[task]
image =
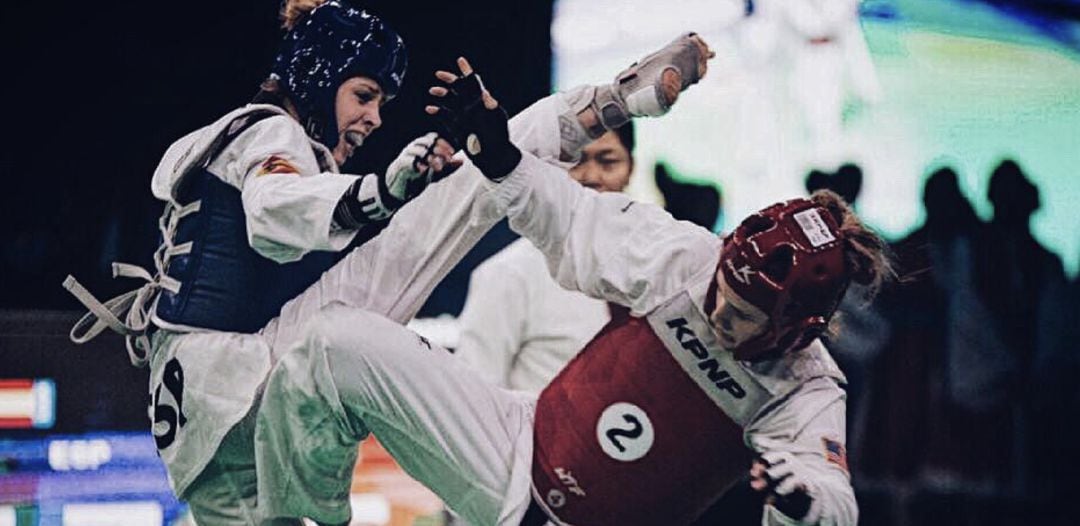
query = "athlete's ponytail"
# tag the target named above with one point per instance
(866, 255)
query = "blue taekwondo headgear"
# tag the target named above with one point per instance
(332, 44)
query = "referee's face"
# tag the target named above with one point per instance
(605, 164)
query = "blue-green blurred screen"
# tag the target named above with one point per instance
(961, 84)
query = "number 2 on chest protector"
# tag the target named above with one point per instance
(624, 431)
(169, 417)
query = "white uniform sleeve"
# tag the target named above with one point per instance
(811, 426)
(394, 273)
(604, 244)
(290, 210)
(493, 321)
(288, 200)
(536, 129)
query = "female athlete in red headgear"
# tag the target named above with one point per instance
(717, 371)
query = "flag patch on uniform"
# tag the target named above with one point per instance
(835, 453)
(276, 165)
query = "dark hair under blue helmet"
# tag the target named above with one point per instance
(332, 44)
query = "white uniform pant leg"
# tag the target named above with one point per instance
(204, 387)
(468, 441)
(225, 492)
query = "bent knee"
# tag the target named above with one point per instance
(337, 327)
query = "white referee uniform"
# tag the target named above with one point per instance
(519, 327)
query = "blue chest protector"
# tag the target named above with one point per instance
(225, 284)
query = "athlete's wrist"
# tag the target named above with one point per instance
(365, 201)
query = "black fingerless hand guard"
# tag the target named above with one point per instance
(796, 505)
(481, 132)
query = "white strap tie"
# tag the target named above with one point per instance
(133, 306)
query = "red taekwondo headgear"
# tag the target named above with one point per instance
(787, 260)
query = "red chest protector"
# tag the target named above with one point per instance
(624, 436)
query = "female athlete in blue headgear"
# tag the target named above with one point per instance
(256, 210)
(261, 235)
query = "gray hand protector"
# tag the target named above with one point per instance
(638, 91)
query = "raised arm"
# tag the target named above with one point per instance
(394, 273)
(290, 213)
(604, 244)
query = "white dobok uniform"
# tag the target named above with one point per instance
(265, 425)
(212, 382)
(649, 424)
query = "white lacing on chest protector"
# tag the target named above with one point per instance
(134, 307)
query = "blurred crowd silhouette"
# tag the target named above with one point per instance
(961, 390)
(960, 374)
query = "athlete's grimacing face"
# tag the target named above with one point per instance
(356, 108)
(734, 319)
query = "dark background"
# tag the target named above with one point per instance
(97, 92)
